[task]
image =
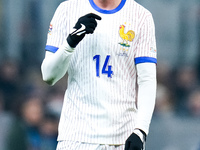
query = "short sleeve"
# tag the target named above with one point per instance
(146, 46)
(57, 29)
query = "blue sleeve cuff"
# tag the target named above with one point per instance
(139, 60)
(50, 48)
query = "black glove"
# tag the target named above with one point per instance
(134, 143)
(85, 25)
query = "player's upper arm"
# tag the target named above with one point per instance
(48, 53)
(146, 46)
(57, 29)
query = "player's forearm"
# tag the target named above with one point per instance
(146, 95)
(55, 65)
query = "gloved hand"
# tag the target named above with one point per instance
(85, 25)
(134, 142)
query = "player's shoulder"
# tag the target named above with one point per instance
(66, 3)
(63, 6)
(142, 10)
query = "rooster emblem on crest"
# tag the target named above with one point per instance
(129, 36)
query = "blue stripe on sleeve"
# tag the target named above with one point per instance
(145, 60)
(51, 48)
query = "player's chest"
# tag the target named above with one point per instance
(116, 35)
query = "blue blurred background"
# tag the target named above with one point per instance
(30, 109)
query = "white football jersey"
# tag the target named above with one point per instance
(99, 104)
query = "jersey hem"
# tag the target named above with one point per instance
(94, 141)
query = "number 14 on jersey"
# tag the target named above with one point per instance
(107, 69)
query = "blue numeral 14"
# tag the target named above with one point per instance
(107, 69)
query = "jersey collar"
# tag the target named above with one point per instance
(107, 11)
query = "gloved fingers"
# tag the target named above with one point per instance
(89, 31)
(91, 15)
(90, 23)
(81, 32)
(88, 19)
(85, 25)
(93, 22)
(90, 27)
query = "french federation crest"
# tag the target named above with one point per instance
(126, 37)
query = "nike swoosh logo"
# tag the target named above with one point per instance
(80, 31)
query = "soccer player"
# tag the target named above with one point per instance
(108, 49)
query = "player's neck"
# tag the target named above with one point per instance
(107, 4)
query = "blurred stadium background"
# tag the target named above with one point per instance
(30, 109)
